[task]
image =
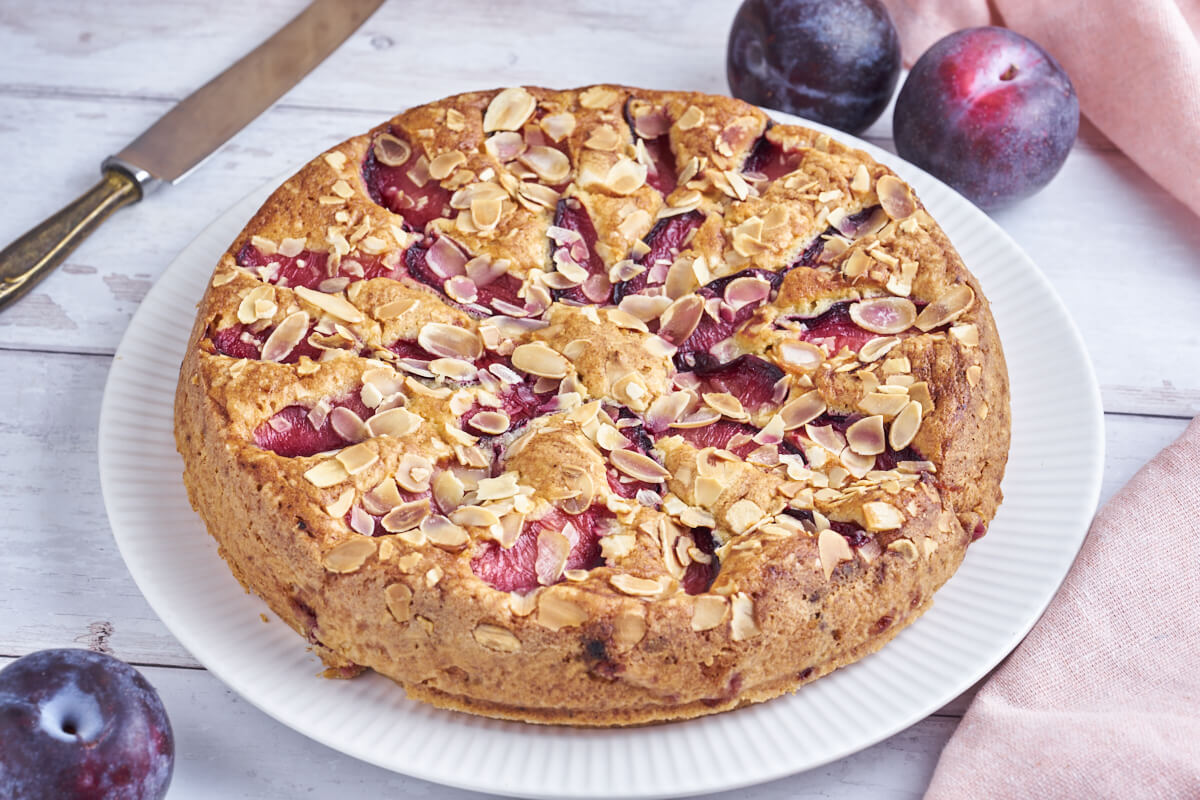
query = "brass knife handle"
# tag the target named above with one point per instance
(35, 255)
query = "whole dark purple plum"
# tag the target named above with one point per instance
(833, 61)
(78, 725)
(989, 112)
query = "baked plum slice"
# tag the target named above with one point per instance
(740, 295)
(518, 404)
(574, 238)
(309, 268)
(750, 379)
(639, 442)
(699, 577)
(769, 160)
(517, 568)
(650, 126)
(238, 341)
(290, 432)
(477, 287)
(398, 179)
(666, 239)
(835, 329)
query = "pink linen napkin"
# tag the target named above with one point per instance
(1102, 699)
(1135, 65)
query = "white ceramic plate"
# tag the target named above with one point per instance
(1007, 580)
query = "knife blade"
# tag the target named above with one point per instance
(184, 137)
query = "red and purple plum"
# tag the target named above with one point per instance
(989, 112)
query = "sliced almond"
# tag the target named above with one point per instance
(556, 612)
(598, 97)
(391, 151)
(249, 307)
(629, 628)
(444, 533)
(327, 473)
(884, 315)
(332, 304)
(744, 515)
(742, 625)
(866, 437)
(450, 341)
(681, 318)
(691, 117)
(635, 586)
(490, 422)
(906, 549)
(393, 422)
(881, 516)
(895, 197)
(954, 302)
(538, 359)
(406, 516)
(803, 356)
(349, 555)
(509, 110)
(285, 337)
(398, 598)
(638, 466)
(802, 410)
(549, 163)
(709, 612)
(338, 508)
(877, 348)
(886, 405)
(445, 163)
(348, 425)
(357, 458)
(905, 426)
(493, 637)
(626, 176)
(833, 549)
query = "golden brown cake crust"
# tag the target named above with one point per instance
(415, 291)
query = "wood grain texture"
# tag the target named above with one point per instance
(79, 80)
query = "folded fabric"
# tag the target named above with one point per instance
(1102, 699)
(1135, 65)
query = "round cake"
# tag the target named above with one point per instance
(597, 407)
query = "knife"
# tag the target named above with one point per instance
(184, 137)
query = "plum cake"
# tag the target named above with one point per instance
(595, 407)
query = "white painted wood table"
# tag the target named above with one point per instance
(79, 79)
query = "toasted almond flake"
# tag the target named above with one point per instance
(744, 515)
(626, 176)
(698, 419)
(504, 146)
(691, 117)
(493, 637)
(804, 356)
(339, 508)
(881, 516)
(610, 438)
(406, 516)
(285, 337)
(398, 598)
(633, 585)
(393, 422)
(604, 138)
(290, 247)
(833, 550)
(742, 625)
(967, 333)
(556, 612)
(802, 410)
(709, 611)
(681, 318)
(391, 151)
(491, 422)
(333, 304)
(327, 473)
(877, 348)
(248, 309)
(629, 628)
(598, 97)
(443, 533)
(383, 498)
(509, 110)
(950, 305)
(905, 426)
(708, 490)
(974, 373)
(445, 163)
(349, 555)
(862, 180)
(549, 163)
(627, 321)
(865, 436)
(342, 189)
(725, 404)
(772, 432)
(348, 425)
(357, 458)
(856, 464)
(536, 358)
(558, 125)
(886, 404)
(884, 315)
(895, 197)
(638, 466)
(906, 549)
(474, 517)
(450, 341)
